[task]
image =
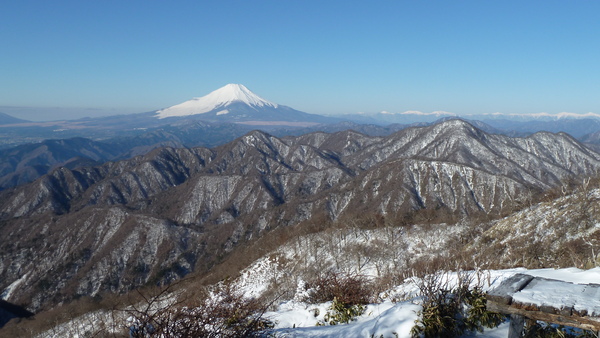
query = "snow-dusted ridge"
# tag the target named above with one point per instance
(221, 97)
(419, 116)
(437, 113)
(558, 116)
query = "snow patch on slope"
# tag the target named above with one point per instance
(9, 290)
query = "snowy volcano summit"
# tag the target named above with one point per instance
(217, 100)
(236, 103)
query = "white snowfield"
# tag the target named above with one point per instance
(379, 319)
(395, 319)
(553, 292)
(397, 313)
(221, 97)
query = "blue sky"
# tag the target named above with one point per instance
(88, 58)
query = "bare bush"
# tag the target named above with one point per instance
(225, 313)
(347, 289)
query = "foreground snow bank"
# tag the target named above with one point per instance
(390, 319)
(572, 275)
(387, 319)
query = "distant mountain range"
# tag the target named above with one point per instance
(162, 215)
(234, 103)
(417, 116)
(25, 163)
(32, 149)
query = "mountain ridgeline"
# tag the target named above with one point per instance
(159, 216)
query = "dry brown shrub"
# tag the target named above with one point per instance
(347, 289)
(224, 313)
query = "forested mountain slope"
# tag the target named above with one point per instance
(159, 216)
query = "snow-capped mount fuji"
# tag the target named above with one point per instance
(236, 103)
(217, 100)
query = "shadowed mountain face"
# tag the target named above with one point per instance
(25, 163)
(159, 216)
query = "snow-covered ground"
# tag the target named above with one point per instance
(395, 319)
(394, 316)
(298, 320)
(397, 313)
(352, 251)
